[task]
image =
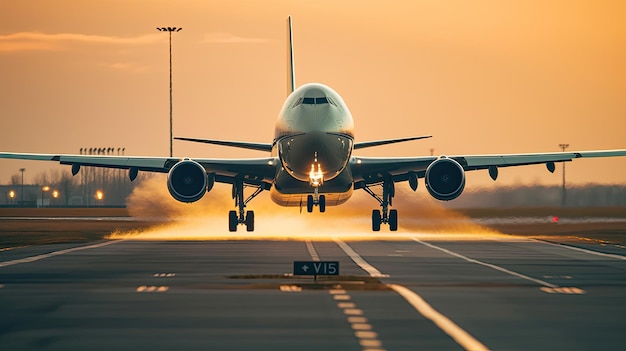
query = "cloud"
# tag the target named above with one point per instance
(227, 38)
(37, 41)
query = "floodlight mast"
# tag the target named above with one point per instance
(170, 30)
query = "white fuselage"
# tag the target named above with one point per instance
(314, 139)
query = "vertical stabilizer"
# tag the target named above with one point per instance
(291, 70)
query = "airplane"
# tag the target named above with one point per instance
(312, 162)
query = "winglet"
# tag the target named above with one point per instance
(291, 70)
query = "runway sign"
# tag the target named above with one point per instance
(315, 268)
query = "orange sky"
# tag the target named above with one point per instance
(481, 76)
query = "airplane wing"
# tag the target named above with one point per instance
(362, 145)
(373, 169)
(253, 170)
(239, 144)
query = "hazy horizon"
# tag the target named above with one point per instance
(481, 77)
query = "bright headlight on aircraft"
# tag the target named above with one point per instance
(316, 177)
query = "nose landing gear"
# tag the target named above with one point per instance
(316, 200)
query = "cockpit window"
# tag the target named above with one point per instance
(314, 101)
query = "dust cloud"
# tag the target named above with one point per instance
(207, 219)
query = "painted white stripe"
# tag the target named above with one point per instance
(55, 253)
(615, 256)
(493, 266)
(312, 251)
(459, 335)
(371, 270)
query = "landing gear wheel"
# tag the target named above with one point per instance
(232, 221)
(250, 221)
(322, 203)
(393, 220)
(376, 220)
(309, 203)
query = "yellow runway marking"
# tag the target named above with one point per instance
(342, 304)
(152, 288)
(290, 288)
(564, 290)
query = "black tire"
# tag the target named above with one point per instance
(322, 203)
(393, 220)
(232, 221)
(309, 203)
(250, 221)
(376, 220)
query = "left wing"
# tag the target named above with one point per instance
(375, 169)
(253, 170)
(240, 144)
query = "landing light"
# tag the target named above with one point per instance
(316, 178)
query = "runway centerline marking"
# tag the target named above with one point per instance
(367, 338)
(459, 335)
(371, 270)
(489, 265)
(56, 253)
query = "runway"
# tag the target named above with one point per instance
(417, 292)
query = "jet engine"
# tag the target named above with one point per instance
(445, 179)
(187, 181)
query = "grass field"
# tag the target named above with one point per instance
(65, 228)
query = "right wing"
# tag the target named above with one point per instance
(371, 170)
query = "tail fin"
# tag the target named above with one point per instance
(291, 70)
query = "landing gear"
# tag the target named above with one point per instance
(385, 216)
(376, 220)
(316, 200)
(242, 217)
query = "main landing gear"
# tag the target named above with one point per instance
(386, 216)
(316, 200)
(242, 217)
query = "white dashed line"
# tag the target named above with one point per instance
(367, 338)
(55, 253)
(312, 251)
(164, 275)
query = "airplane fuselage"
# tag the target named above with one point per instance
(314, 139)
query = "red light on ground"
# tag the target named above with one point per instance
(555, 219)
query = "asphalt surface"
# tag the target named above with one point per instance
(496, 293)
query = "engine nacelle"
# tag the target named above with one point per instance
(445, 179)
(188, 181)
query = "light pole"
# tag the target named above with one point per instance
(55, 196)
(44, 189)
(170, 30)
(563, 147)
(22, 191)
(99, 196)
(12, 196)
